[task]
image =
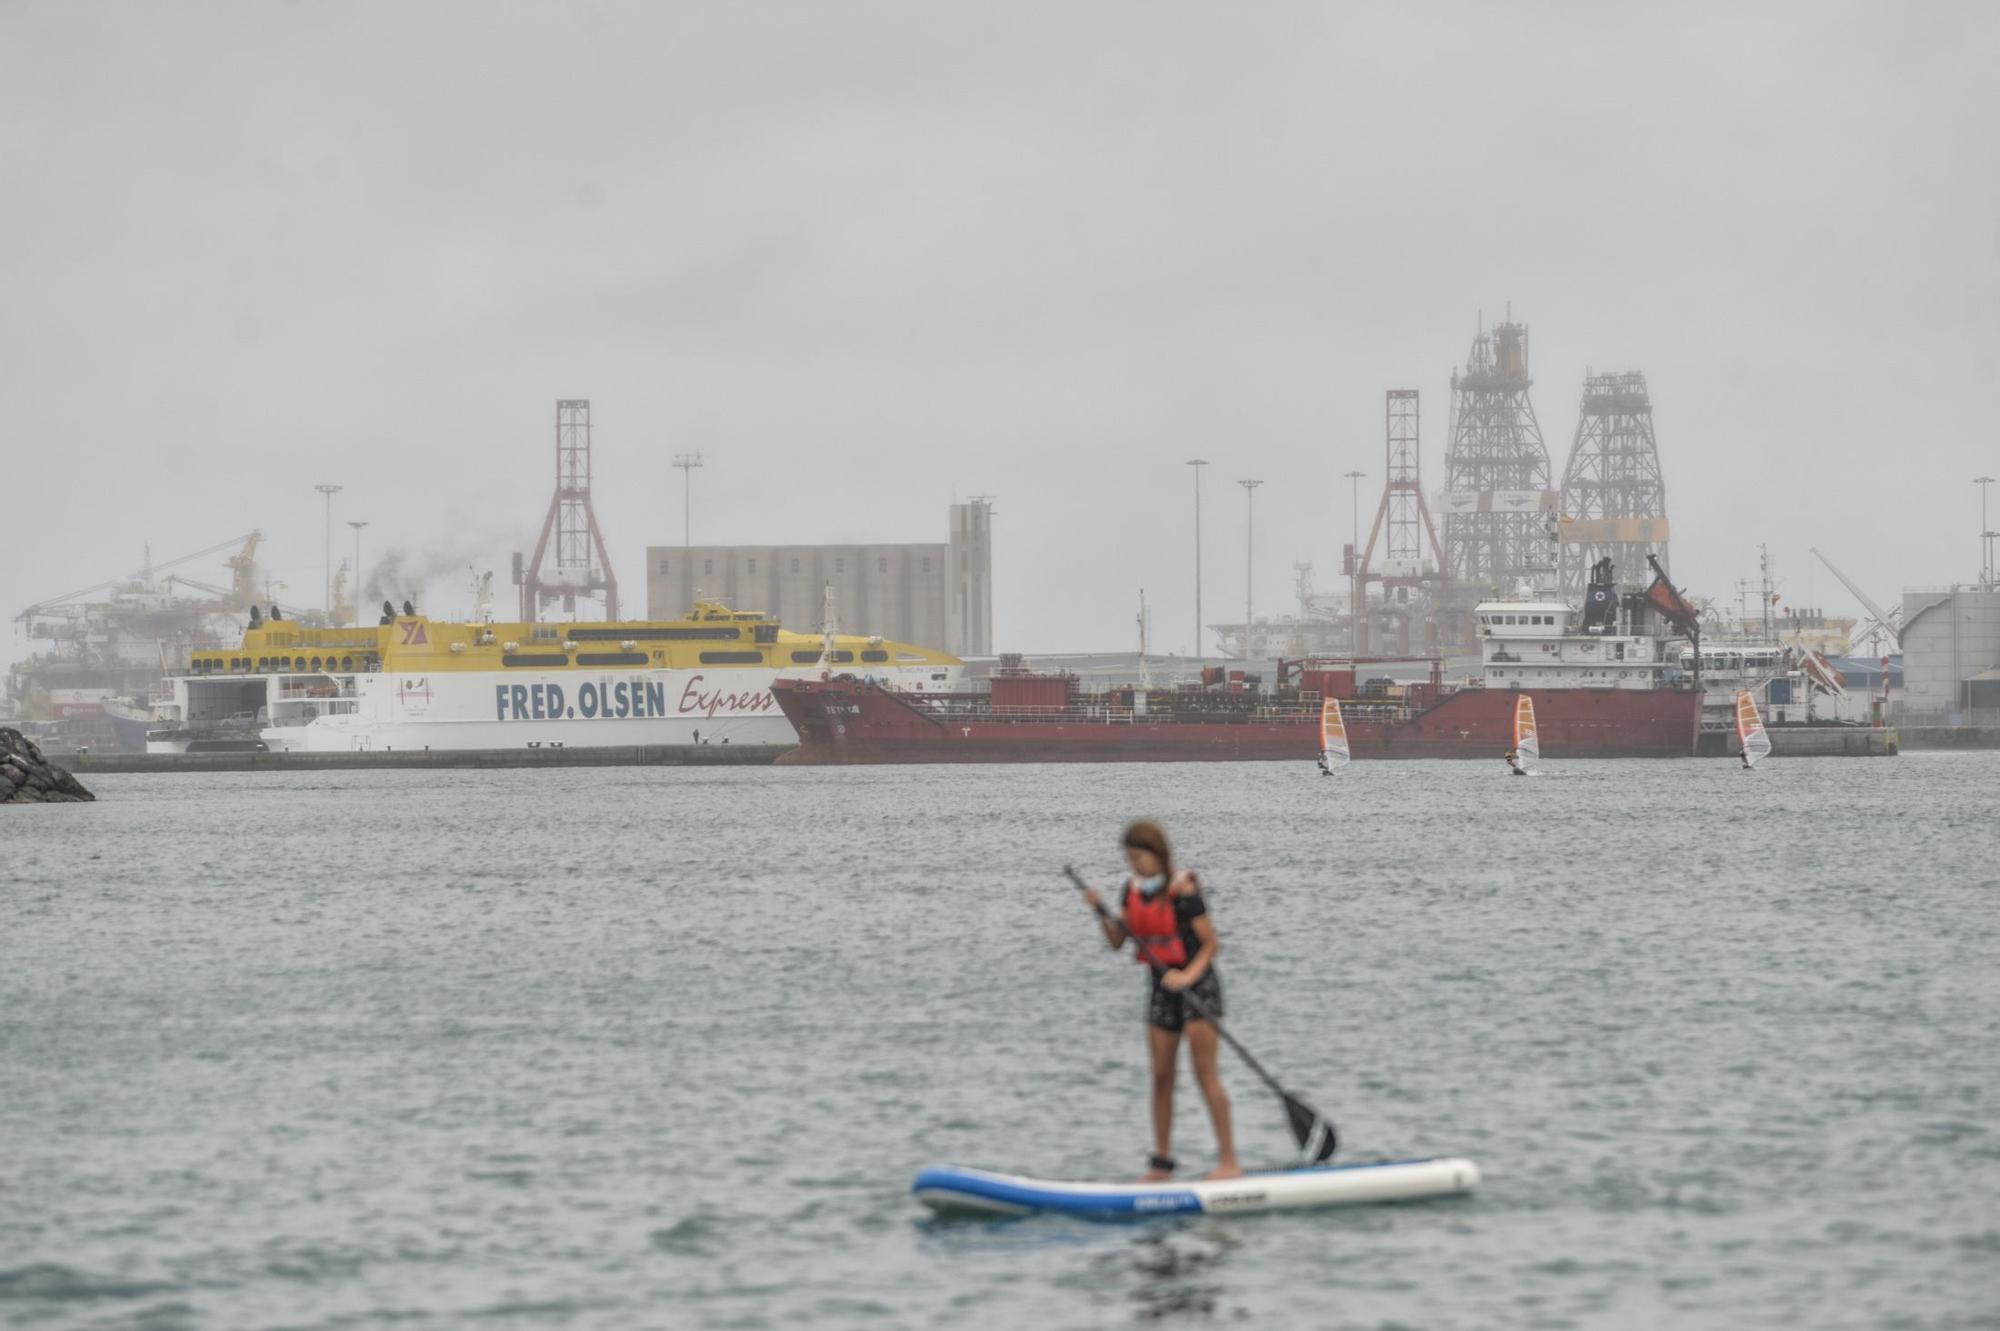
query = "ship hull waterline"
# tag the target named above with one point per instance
(845, 723)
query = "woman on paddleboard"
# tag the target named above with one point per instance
(1163, 913)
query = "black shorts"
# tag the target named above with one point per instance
(1170, 1011)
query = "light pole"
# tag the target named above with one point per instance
(1249, 528)
(1197, 464)
(687, 462)
(1985, 532)
(1957, 679)
(326, 584)
(357, 569)
(1354, 642)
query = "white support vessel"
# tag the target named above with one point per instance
(411, 682)
(1791, 682)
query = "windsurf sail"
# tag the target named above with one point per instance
(1332, 735)
(1750, 729)
(1527, 740)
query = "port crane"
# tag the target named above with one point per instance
(1882, 623)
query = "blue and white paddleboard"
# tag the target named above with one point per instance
(946, 1188)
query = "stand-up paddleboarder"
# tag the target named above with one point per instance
(1163, 913)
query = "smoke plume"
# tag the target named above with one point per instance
(405, 573)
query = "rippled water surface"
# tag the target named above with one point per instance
(632, 1048)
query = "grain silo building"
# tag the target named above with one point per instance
(937, 595)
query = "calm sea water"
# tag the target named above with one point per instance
(628, 1048)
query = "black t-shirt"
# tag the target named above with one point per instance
(1187, 910)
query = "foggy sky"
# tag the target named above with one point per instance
(870, 258)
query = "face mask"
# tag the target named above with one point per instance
(1151, 886)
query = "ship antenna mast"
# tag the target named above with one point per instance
(826, 615)
(1145, 675)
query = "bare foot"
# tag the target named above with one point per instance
(1223, 1172)
(1155, 1176)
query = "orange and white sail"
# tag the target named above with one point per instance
(1750, 730)
(1527, 739)
(1332, 735)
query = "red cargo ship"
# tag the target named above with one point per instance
(1043, 718)
(1601, 690)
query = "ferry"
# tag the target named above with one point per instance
(412, 682)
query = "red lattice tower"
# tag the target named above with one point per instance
(582, 564)
(1411, 582)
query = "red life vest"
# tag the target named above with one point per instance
(1154, 926)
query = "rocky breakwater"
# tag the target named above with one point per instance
(26, 777)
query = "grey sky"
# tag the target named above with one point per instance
(869, 257)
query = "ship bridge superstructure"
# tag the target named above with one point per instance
(1533, 644)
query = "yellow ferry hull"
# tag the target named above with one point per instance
(415, 683)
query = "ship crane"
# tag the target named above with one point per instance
(248, 540)
(229, 599)
(1887, 623)
(209, 588)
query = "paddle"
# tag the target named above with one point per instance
(1314, 1131)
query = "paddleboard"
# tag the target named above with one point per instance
(949, 1189)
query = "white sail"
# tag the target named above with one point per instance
(1750, 730)
(1333, 750)
(1527, 740)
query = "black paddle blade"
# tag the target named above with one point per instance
(1316, 1136)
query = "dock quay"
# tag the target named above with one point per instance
(1809, 742)
(630, 755)
(1951, 737)
(1834, 742)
